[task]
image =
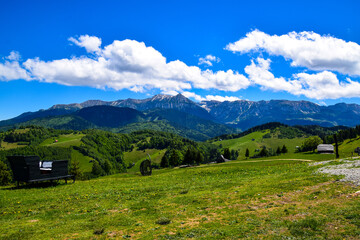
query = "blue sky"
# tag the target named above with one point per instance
(55, 52)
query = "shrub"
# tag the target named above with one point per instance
(75, 169)
(163, 221)
(310, 144)
(5, 175)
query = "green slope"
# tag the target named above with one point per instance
(137, 156)
(257, 200)
(64, 140)
(346, 148)
(255, 140)
(85, 162)
(69, 140)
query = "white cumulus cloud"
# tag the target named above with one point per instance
(306, 49)
(259, 74)
(14, 56)
(326, 85)
(210, 97)
(208, 60)
(322, 85)
(90, 43)
(221, 80)
(132, 65)
(11, 69)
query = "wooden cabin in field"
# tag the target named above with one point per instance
(325, 148)
(31, 169)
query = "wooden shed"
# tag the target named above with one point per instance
(325, 148)
(31, 169)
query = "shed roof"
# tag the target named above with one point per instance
(325, 147)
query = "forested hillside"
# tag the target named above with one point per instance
(99, 152)
(127, 120)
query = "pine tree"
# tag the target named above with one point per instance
(189, 157)
(199, 158)
(278, 151)
(107, 166)
(247, 153)
(227, 153)
(263, 152)
(96, 169)
(75, 169)
(164, 161)
(284, 149)
(174, 159)
(236, 155)
(336, 147)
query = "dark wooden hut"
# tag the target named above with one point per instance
(31, 169)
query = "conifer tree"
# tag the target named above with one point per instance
(227, 153)
(164, 161)
(75, 169)
(284, 149)
(278, 151)
(199, 158)
(174, 159)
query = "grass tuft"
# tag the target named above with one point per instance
(99, 231)
(306, 227)
(163, 221)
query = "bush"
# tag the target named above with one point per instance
(163, 221)
(75, 169)
(268, 135)
(310, 144)
(5, 175)
(97, 170)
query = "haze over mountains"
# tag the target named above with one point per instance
(182, 113)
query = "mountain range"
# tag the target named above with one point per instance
(206, 118)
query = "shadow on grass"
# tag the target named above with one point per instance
(45, 184)
(310, 153)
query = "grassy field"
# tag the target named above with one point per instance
(85, 161)
(8, 146)
(252, 200)
(137, 156)
(255, 140)
(66, 140)
(347, 148)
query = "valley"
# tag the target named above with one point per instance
(274, 190)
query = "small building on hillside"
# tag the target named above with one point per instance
(325, 148)
(357, 150)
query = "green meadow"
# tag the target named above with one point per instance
(239, 199)
(137, 156)
(279, 197)
(65, 140)
(255, 140)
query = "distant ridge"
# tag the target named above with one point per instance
(240, 114)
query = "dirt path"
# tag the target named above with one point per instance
(270, 160)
